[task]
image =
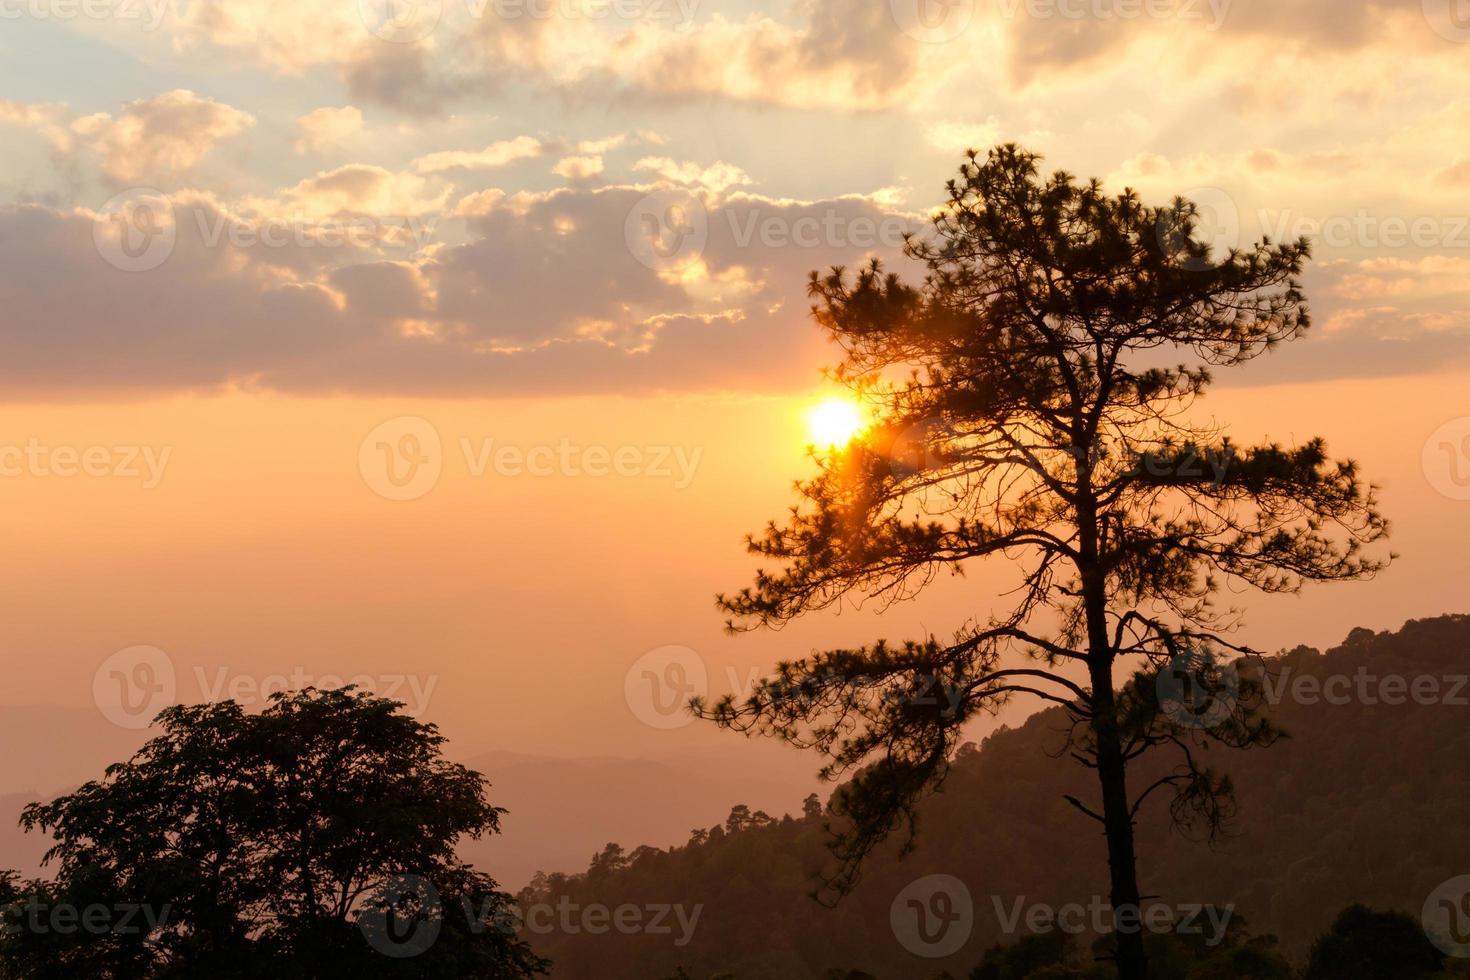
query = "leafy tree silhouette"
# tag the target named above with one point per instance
(313, 839)
(1237, 955)
(1028, 410)
(1364, 944)
(1025, 957)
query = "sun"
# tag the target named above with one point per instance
(835, 421)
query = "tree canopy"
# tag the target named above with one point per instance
(313, 839)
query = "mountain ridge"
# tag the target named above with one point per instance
(1329, 816)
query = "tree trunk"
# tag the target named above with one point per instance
(1112, 768)
(1112, 774)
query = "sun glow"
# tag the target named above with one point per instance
(835, 421)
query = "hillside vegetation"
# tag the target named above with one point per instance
(1366, 802)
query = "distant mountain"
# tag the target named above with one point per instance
(561, 810)
(1368, 800)
(564, 810)
(19, 851)
(47, 749)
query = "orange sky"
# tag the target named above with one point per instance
(577, 231)
(517, 603)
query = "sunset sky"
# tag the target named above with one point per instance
(464, 340)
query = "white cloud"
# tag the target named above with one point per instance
(353, 190)
(829, 53)
(578, 168)
(326, 129)
(50, 121)
(956, 137)
(599, 147)
(164, 135)
(717, 177)
(497, 154)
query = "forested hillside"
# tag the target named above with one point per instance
(1366, 801)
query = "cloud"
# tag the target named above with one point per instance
(288, 38)
(543, 292)
(717, 177)
(1050, 40)
(164, 135)
(953, 136)
(844, 54)
(599, 147)
(1457, 174)
(546, 295)
(75, 324)
(357, 189)
(1420, 280)
(1379, 344)
(495, 155)
(578, 168)
(1378, 317)
(50, 121)
(474, 274)
(148, 139)
(479, 203)
(823, 53)
(326, 129)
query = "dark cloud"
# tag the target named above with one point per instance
(1048, 37)
(547, 296)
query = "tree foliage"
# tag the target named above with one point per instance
(265, 845)
(1364, 944)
